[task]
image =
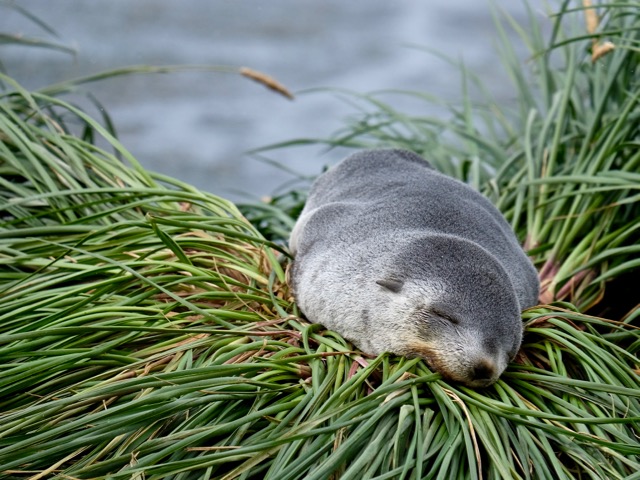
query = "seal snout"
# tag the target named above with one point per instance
(484, 373)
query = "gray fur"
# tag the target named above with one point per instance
(398, 257)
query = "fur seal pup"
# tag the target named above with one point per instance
(398, 257)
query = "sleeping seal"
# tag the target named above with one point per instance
(397, 257)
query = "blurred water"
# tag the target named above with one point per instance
(198, 126)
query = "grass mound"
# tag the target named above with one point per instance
(146, 329)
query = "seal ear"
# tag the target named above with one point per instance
(391, 283)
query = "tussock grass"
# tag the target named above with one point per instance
(146, 329)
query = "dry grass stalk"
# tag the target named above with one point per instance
(592, 21)
(266, 80)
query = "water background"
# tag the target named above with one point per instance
(197, 126)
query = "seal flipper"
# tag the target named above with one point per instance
(391, 283)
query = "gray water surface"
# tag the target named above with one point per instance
(198, 126)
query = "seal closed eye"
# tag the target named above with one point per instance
(398, 257)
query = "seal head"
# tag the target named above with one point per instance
(460, 311)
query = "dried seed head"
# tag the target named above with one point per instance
(590, 16)
(600, 50)
(266, 80)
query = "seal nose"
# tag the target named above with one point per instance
(484, 370)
